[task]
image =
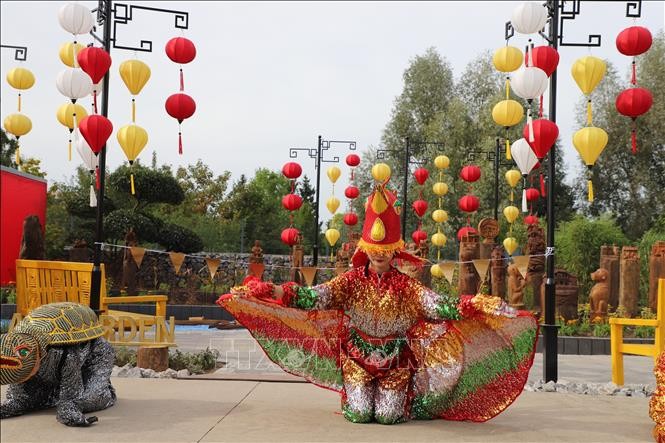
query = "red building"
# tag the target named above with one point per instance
(21, 195)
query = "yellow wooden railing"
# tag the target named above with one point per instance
(40, 282)
(619, 348)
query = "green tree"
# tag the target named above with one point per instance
(626, 185)
(8, 147)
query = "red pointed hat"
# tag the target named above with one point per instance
(382, 232)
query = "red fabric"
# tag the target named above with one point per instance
(634, 40)
(470, 173)
(180, 50)
(545, 133)
(180, 106)
(421, 175)
(389, 217)
(545, 58)
(352, 160)
(95, 62)
(291, 202)
(96, 130)
(22, 195)
(292, 170)
(634, 102)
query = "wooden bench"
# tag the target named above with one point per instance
(40, 282)
(619, 348)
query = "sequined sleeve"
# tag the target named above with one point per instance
(329, 295)
(439, 306)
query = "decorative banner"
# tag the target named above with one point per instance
(481, 265)
(256, 269)
(213, 265)
(522, 263)
(138, 254)
(448, 269)
(308, 272)
(177, 258)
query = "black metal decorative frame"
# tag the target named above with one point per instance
(20, 54)
(317, 154)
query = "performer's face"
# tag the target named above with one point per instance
(380, 262)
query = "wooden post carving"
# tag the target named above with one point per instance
(609, 260)
(498, 272)
(629, 287)
(656, 271)
(488, 229)
(468, 277)
(535, 246)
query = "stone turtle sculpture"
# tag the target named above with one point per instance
(56, 357)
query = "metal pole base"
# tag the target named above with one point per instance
(550, 352)
(95, 288)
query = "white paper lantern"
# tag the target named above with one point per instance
(74, 83)
(525, 159)
(75, 18)
(529, 18)
(529, 83)
(90, 160)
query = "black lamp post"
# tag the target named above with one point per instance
(20, 54)
(408, 161)
(110, 14)
(317, 155)
(558, 12)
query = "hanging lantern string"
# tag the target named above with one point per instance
(182, 81)
(633, 77)
(94, 101)
(589, 113)
(540, 106)
(133, 110)
(507, 87)
(19, 102)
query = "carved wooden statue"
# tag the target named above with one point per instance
(79, 252)
(342, 260)
(257, 253)
(535, 245)
(609, 260)
(600, 294)
(566, 295)
(498, 272)
(656, 271)
(488, 228)
(32, 242)
(629, 287)
(297, 261)
(468, 277)
(516, 284)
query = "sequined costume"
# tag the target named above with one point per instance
(394, 348)
(657, 403)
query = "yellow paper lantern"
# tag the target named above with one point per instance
(439, 239)
(17, 124)
(511, 213)
(440, 188)
(507, 59)
(332, 235)
(66, 113)
(588, 72)
(440, 216)
(68, 52)
(590, 142)
(20, 78)
(436, 271)
(135, 74)
(332, 204)
(510, 244)
(513, 177)
(333, 173)
(507, 113)
(441, 162)
(132, 140)
(381, 172)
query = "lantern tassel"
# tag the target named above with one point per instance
(93, 197)
(512, 195)
(133, 110)
(18, 155)
(69, 149)
(94, 101)
(633, 139)
(179, 142)
(131, 179)
(509, 155)
(507, 88)
(633, 77)
(540, 106)
(97, 178)
(590, 185)
(438, 254)
(529, 121)
(524, 205)
(19, 102)
(542, 185)
(589, 114)
(182, 81)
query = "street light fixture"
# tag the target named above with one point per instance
(381, 155)
(317, 155)
(110, 15)
(20, 54)
(558, 13)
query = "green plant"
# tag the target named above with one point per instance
(567, 328)
(528, 296)
(197, 362)
(601, 330)
(8, 295)
(125, 355)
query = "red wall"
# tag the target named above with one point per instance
(21, 195)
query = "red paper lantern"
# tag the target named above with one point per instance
(290, 236)
(532, 194)
(545, 133)
(419, 207)
(180, 106)
(468, 203)
(633, 41)
(634, 102)
(292, 202)
(350, 219)
(96, 130)
(291, 170)
(419, 236)
(545, 58)
(352, 160)
(421, 175)
(465, 231)
(531, 220)
(95, 62)
(180, 50)
(470, 173)
(351, 192)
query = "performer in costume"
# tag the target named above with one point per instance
(393, 348)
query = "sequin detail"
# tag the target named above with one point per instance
(657, 402)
